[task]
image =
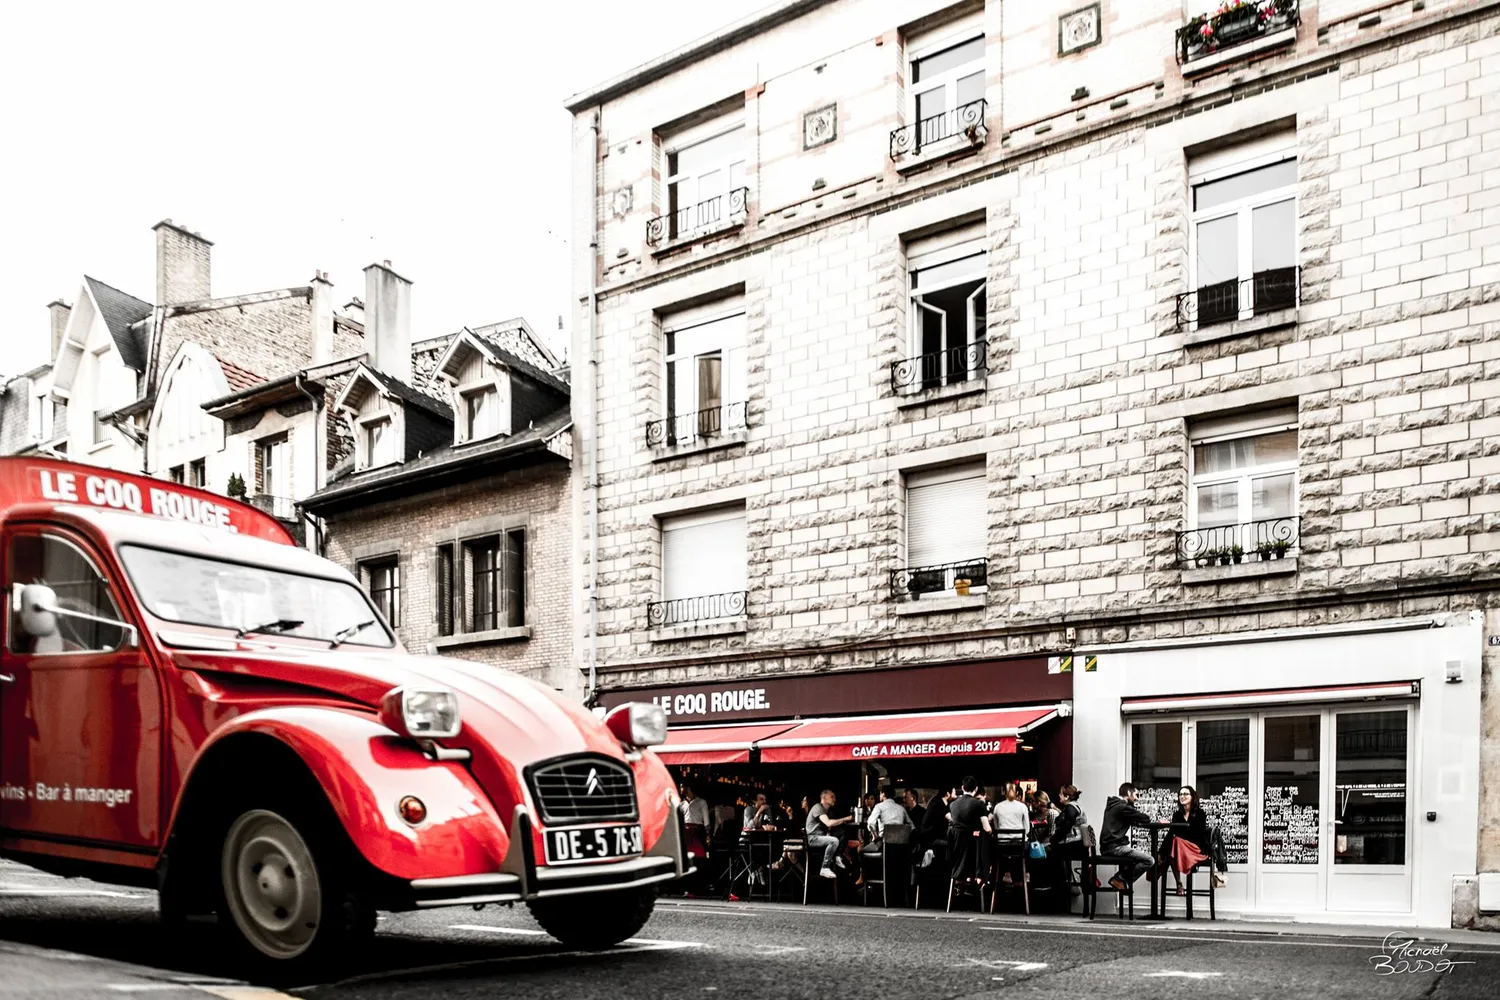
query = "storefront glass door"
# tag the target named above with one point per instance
(1311, 803)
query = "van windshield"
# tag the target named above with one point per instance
(202, 591)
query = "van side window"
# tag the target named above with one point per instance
(79, 586)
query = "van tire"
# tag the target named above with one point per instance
(284, 891)
(594, 921)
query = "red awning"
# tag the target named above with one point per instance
(933, 734)
(717, 744)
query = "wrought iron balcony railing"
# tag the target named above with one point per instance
(966, 121)
(709, 607)
(704, 425)
(1226, 301)
(928, 371)
(1273, 538)
(960, 578)
(1236, 22)
(713, 213)
(284, 508)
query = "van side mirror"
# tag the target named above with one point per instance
(39, 613)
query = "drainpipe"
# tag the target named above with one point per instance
(591, 445)
(313, 519)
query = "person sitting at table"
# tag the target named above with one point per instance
(1120, 814)
(914, 810)
(966, 819)
(887, 812)
(1012, 818)
(823, 834)
(1187, 842)
(1043, 818)
(757, 815)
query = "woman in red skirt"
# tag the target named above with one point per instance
(1187, 843)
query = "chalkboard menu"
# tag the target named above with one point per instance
(1289, 829)
(1230, 812)
(1158, 803)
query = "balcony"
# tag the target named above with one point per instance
(1244, 25)
(282, 508)
(955, 366)
(712, 215)
(708, 608)
(950, 131)
(1257, 542)
(1237, 306)
(716, 425)
(956, 579)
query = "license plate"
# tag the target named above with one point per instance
(592, 843)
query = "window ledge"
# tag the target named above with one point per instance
(1208, 64)
(942, 393)
(728, 439)
(699, 630)
(947, 149)
(93, 448)
(733, 225)
(939, 603)
(1249, 569)
(1242, 327)
(482, 638)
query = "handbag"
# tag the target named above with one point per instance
(1036, 850)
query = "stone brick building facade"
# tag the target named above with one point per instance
(992, 329)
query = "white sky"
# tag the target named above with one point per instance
(322, 134)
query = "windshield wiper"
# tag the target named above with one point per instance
(275, 625)
(349, 633)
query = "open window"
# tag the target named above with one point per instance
(946, 282)
(704, 381)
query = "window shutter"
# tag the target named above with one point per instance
(946, 519)
(703, 554)
(514, 578)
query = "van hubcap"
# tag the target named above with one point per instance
(271, 884)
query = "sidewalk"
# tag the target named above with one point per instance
(1470, 940)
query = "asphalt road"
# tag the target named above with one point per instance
(82, 940)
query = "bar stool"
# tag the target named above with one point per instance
(1007, 849)
(879, 862)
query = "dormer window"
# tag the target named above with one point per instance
(479, 373)
(482, 412)
(380, 442)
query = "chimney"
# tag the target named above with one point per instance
(322, 318)
(59, 311)
(181, 264)
(355, 310)
(388, 321)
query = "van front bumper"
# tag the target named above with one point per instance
(520, 878)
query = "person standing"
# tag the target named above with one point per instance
(1120, 815)
(822, 828)
(968, 821)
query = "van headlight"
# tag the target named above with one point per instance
(423, 713)
(638, 724)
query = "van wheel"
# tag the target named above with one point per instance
(286, 903)
(595, 921)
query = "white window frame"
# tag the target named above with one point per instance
(366, 444)
(1216, 432)
(368, 568)
(1208, 169)
(500, 423)
(676, 144)
(963, 248)
(931, 43)
(734, 382)
(195, 466)
(919, 479)
(40, 416)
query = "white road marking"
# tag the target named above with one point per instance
(1001, 963)
(777, 949)
(655, 944)
(519, 931)
(144, 987)
(244, 993)
(1181, 975)
(1249, 939)
(41, 890)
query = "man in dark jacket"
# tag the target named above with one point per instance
(1120, 814)
(934, 827)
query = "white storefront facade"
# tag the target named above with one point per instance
(1340, 763)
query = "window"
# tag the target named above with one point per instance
(1244, 230)
(481, 412)
(703, 567)
(273, 475)
(947, 312)
(198, 473)
(1155, 771)
(379, 441)
(79, 586)
(1243, 473)
(705, 373)
(1370, 788)
(946, 81)
(946, 527)
(705, 178)
(496, 581)
(40, 419)
(383, 581)
(101, 430)
(176, 474)
(1293, 787)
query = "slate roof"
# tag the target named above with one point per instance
(355, 487)
(408, 394)
(522, 365)
(121, 311)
